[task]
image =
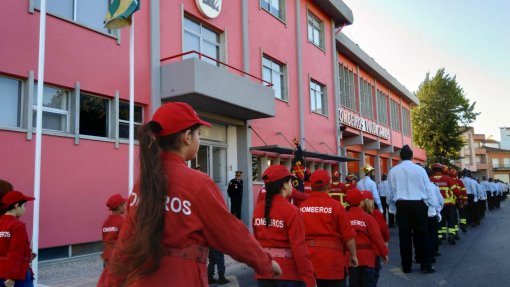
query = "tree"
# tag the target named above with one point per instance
(443, 114)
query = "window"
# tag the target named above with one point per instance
(395, 117)
(275, 7)
(273, 73)
(94, 116)
(348, 98)
(124, 119)
(318, 98)
(506, 162)
(201, 39)
(89, 13)
(256, 168)
(382, 108)
(495, 162)
(366, 100)
(406, 122)
(55, 108)
(10, 96)
(315, 31)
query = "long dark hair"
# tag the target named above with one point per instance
(142, 252)
(272, 188)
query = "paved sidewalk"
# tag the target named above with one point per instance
(84, 271)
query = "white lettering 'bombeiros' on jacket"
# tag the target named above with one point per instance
(316, 209)
(174, 204)
(109, 229)
(358, 223)
(273, 223)
(5, 234)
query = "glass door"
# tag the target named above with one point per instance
(215, 166)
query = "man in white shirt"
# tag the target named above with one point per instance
(368, 183)
(382, 187)
(408, 193)
(488, 189)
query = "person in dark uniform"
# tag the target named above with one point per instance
(235, 192)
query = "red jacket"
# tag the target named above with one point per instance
(111, 230)
(447, 186)
(286, 231)
(195, 215)
(327, 228)
(379, 217)
(296, 197)
(369, 241)
(338, 190)
(15, 252)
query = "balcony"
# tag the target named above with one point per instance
(215, 89)
(501, 167)
(480, 151)
(482, 166)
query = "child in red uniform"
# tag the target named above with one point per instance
(175, 212)
(327, 230)
(278, 226)
(15, 252)
(113, 224)
(369, 242)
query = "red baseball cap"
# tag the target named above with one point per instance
(354, 196)
(320, 178)
(175, 117)
(12, 197)
(367, 194)
(115, 201)
(276, 172)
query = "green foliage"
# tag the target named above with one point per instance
(441, 117)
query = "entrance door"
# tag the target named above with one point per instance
(212, 159)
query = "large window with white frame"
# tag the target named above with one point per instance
(94, 116)
(274, 73)
(202, 39)
(124, 119)
(318, 98)
(366, 99)
(55, 108)
(89, 13)
(406, 122)
(395, 115)
(382, 108)
(10, 96)
(256, 168)
(315, 30)
(275, 7)
(347, 96)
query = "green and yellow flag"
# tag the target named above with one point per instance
(120, 12)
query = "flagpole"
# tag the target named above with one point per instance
(131, 102)
(38, 138)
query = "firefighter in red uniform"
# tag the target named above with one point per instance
(338, 190)
(279, 227)
(450, 192)
(350, 181)
(328, 230)
(113, 224)
(462, 200)
(175, 213)
(369, 242)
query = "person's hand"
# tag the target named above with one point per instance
(385, 259)
(34, 255)
(353, 261)
(277, 270)
(9, 283)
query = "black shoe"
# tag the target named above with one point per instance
(212, 280)
(429, 269)
(457, 237)
(463, 229)
(406, 270)
(222, 280)
(451, 240)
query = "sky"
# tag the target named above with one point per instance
(469, 38)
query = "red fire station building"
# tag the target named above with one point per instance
(264, 72)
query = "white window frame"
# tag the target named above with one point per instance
(256, 177)
(366, 99)
(395, 118)
(202, 38)
(313, 97)
(135, 123)
(19, 113)
(382, 108)
(315, 26)
(347, 88)
(67, 112)
(406, 122)
(282, 73)
(280, 13)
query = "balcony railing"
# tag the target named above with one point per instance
(200, 56)
(501, 167)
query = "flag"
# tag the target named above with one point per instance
(120, 12)
(298, 167)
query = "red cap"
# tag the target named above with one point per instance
(320, 178)
(367, 194)
(12, 197)
(175, 117)
(437, 166)
(115, 201)
(354, 196)
(276, 172)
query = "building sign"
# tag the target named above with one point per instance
(209, 8)
(353, 120)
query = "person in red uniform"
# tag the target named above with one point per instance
(15, 252)
(462, 201)
(369, 207)
(369, 242)
(338, 190)
(351, 181)
(175, 213)
(278, 226)
(450, 192)
(113, 224)
(328, 230)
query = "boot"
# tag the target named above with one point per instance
(451, 240)
(222, 280)
(212, 280)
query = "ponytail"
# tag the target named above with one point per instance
(272, 188)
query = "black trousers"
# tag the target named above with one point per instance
(490, 200)
(472, 211)
(412, 223)
(431, 242)
(235, 206)
(385, 207)
(216, 258)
